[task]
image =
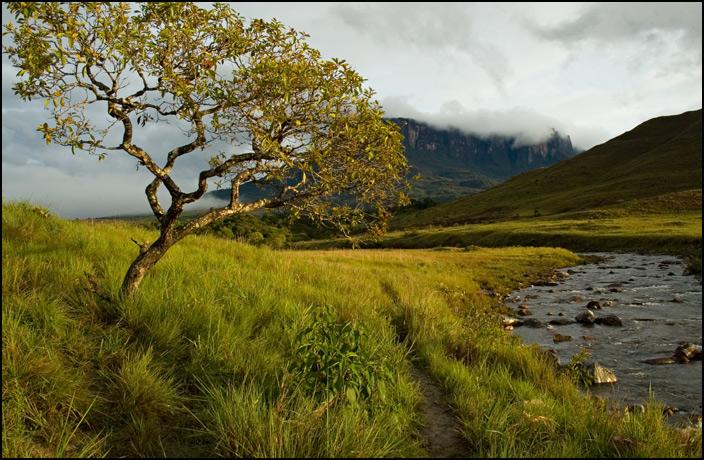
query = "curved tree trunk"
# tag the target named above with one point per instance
(143, 263)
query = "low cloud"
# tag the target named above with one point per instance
(525, 125)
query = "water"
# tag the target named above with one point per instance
(653, 325)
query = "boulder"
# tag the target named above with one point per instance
(512, 322)
(524, 312)
(660, 361)
(561, 321)
(593, 305)
(599, 374)
(609, 320)
(534, 323)
(586, 317)
(557, 338)
(575, 299)
(687, 352)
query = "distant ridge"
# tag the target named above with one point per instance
(659, 161)
(454, 164)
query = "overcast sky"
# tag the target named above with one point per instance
(591, 71)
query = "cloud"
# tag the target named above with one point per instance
(667, 36)
(606, 22)
(440, 29)
(525, 125)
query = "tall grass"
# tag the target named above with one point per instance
(208, 359)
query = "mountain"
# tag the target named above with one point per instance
(452, 163)
(656, 164)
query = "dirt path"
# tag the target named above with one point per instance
(440, 433)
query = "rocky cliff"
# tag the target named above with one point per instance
(452, 163)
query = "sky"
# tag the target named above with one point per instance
(589, 70)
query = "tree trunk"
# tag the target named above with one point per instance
(143, 263)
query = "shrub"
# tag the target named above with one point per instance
(335, 358)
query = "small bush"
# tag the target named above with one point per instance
(335, 358)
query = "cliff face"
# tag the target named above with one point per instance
(497, 158)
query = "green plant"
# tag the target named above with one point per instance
(335, 358)
(575, 368)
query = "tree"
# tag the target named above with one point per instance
(254, 94)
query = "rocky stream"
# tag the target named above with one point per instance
(639, 316)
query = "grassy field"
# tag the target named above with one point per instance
(665, 233)
(232, 350)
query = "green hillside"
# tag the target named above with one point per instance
(661, 157)
(236, 351)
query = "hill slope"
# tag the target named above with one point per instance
(660, 157)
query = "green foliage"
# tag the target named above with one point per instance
(334, 358)
(575, 368)
(316, 132)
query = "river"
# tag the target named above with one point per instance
(660, 307)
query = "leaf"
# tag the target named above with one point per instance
(351, 394)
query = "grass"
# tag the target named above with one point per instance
(207, 359)
(676, 233)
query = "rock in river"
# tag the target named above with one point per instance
(688, 352)
(586, 317)
(599, 374)
(532, 322)
(659, 361)
(593, 305)
(609, 320)
(561, 321)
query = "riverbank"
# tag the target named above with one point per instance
(675, 234)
